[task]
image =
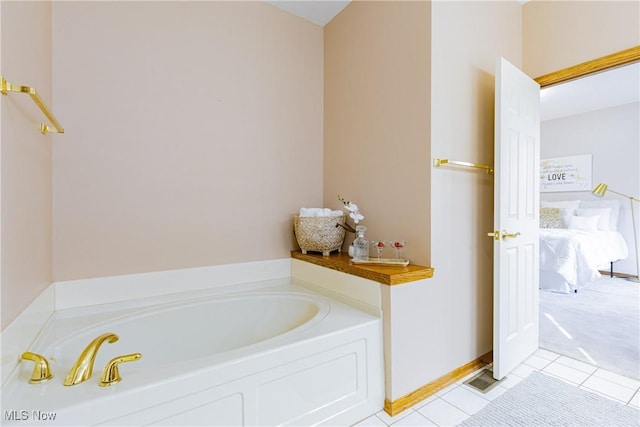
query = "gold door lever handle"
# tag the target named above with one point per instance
(111, 374)
(506, 235)
(503, 234)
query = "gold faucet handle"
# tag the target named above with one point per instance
(111, 374)
(41, 372)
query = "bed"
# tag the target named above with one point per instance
(577, 239)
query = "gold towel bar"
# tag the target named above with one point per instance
(55, 125)
(440, 162)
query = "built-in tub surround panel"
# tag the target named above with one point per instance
(316, 361)
(364, 292)
(194, 134)
(105, 290)
(398, 327)
(376, 297)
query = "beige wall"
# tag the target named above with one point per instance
(377, 119)
(194, 132)
(382, 62)
(26, 157)
(376, 127)
(559, 34)
(447, 321)
(442, 323)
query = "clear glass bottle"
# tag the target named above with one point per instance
(361, 245)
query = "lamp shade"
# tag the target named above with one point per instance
(600, 190)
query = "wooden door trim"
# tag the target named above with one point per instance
(613, 60)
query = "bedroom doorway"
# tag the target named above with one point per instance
(561, 318)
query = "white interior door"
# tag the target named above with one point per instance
(516, 202)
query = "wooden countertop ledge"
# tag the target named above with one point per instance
(387, 275)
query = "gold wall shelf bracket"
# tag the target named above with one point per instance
(440, 162)
(55, 126)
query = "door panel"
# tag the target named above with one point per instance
(516, 202)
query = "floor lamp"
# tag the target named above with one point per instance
(600, 191)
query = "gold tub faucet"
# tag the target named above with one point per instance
(83, 368)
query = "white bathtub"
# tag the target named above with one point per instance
(270, 355)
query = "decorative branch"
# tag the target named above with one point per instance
(347, 227)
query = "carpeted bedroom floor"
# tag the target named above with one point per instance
(599, 325)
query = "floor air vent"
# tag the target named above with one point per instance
(483, 382)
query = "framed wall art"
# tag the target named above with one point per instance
(571, 173)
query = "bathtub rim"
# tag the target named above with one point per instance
(9, 373)
(108, 308)
(323, 307)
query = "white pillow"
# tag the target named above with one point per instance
(568, 207)
(584, 223)
(603, 215)
(601, 203)
(569, 204)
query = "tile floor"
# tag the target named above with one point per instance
(454, 404)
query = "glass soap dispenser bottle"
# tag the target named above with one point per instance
(361, 245)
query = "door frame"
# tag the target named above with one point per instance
(617, 59)
(604, 63)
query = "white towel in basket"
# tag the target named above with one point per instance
(319, 212)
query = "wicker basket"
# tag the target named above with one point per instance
(319, 233)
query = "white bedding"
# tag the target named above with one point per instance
(577, 255)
